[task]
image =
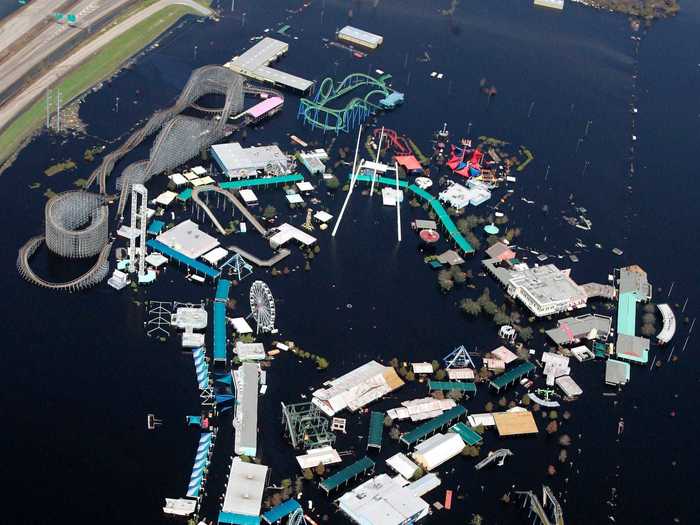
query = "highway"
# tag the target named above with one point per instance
(23, 99)
(50, 36)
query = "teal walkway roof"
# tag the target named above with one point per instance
(238, 519)
(185, 195)
(282, 510)
(376, 428)
(352, 471)
(219, 331)
(452, 385)
(448, 416)
(174, 254)
(155, 227)
(512, 375)
(222, 289)
(264, 181)
(627, 313)
(466, 433)
(386, 181)
(439, 210)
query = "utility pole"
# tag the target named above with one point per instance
(116, 106)
(195, 52)
(48, 109)
(58, 110)
(233, 5)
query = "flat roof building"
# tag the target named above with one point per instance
(588, 326)
(237, 162)
(244, 491)
(188, 239)
(360, 37)
(383, 501)
(287, 232)
(245, 420)
(254, 63)
(545, 290)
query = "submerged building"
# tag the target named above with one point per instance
(245, 421)
(357, 388)
(383, 500)
(237, 162)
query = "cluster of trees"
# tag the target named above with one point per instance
(649, 320)
(448, 278)
(647, 9)
(321, 362)
(484, 304)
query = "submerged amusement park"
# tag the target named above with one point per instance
(318, 273)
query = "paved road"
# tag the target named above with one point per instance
(19, 23)
(51, 37)
(24, 99)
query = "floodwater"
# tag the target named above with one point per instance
(80, 375)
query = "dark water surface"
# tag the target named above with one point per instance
(79, 374)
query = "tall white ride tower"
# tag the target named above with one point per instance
(139, 201)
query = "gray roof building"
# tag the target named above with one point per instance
(245, 421)
(573, 329)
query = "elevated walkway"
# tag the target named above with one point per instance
(348, 473)
(196, 266)
(499, 455)
(219, 331)
(435, 424)
(261, 181)
(201, 368)
(265, 263)
(435, 204)
(201, 461)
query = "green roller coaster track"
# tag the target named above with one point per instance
(319, 114)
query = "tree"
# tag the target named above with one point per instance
(500, 318)
(458, 275)
(488, 407)
(394, 362)
(410, 376)
(332, 183)
(552, 427)
(419, 473)
(648, 330)
(395, 433)
(470, 451)
(320, 469)
(321, 363)
(476, 520)
(490, 308)
(269, 212)
(525, 333)
(435, 365)
(387, 421)
(485, 297)
(455, 395)
(440, 374)
(471, 307)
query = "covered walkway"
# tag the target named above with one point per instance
(196, 266)
(263, 181)
(282, 510)
(511, 376)
(222, 289)
(201, 367)
(201, 462)
(432, 426)
(348, 473)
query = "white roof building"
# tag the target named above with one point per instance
(420, 409)
(248, 196)
(322, 216)
(437, 449)
(199, 171)
(383, 501)
(180, 506)
(188, 239)
(165, 198)
(568, 386)
(236, 161)
(458, 196)
(215, 256)
(360, 36)
(245, 422)
(241, 326)
(459, 374)
(287, 232)
(250, 351)
(357, 388)
(178, 179)
(319, 456)
(187, 318)
(422, 368)
(402, 464)
(244, 492)
(546, 290)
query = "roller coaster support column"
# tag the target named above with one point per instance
(138, 224)
(353, 176)
(374, 172)
(398, 200)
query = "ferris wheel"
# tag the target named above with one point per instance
(262, 306)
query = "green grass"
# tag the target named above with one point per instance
(97, 68)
